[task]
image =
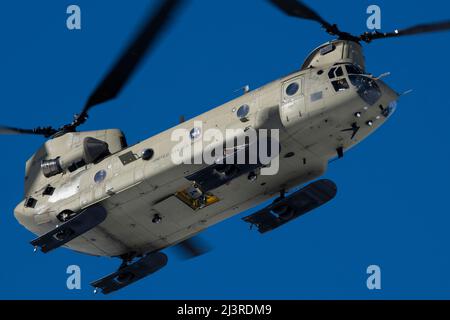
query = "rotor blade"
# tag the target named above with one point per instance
(46, 132)
(11, 130)
(192, 247)
(295, 8)
(122, 70)
(422, 28)
(298, 9)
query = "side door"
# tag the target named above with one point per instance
(292, 107)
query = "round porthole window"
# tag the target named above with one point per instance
(243, 111)
(292, 89)
(195, 133)
(147, 154)
(100, 176)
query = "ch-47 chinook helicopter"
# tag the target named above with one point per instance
(90, 192)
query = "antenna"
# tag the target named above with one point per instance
(383, 75)
(406, 92)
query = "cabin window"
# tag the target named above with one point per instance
(195, 133)
(147, 154)
(100, 176)
(242, 112)
(292, 89)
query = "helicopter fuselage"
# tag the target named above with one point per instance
(320, 111)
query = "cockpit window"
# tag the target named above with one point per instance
(367, 88)
(331, 73)
(340, 85)
(352, 69)
(335, 72)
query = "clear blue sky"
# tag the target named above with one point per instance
(392, 207)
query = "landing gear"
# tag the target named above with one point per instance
(130, 272)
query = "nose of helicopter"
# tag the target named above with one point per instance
(26, 218)
(20, 214)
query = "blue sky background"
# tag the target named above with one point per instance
(392, 207)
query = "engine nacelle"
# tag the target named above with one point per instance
(68, 153)
(90, 151)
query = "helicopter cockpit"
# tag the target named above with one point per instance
(340, 75)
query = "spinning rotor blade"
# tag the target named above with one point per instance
(296, 8)
(123, 69)
(192, 247)
(46, 132)
(119, 74)
(422, 28)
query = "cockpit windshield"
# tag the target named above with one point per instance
(366, 87)
(352, 69)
